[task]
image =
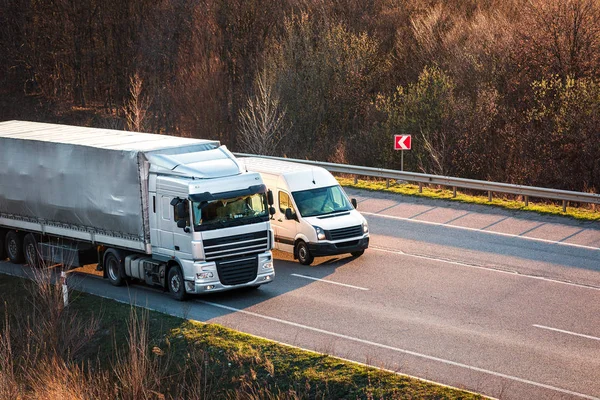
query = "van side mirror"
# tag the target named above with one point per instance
(354, 202)
(289, 214)
(270, 198)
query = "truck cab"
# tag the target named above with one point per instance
(211, 219)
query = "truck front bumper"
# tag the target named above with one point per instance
(207, 276)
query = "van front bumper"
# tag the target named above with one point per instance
(331, 249)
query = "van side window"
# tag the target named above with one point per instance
(285, 202)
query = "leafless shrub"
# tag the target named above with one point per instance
(137, 106)
(138, 373)
(9, 387)
(263, 120)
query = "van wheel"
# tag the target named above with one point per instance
(357, 253)
(30, 250)
(176, 284)
(303, 254)
(113, 269)
(14, 247)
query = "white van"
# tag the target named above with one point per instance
(313, 215)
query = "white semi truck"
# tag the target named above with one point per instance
(174, 212)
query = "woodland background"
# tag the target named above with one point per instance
(501, 90)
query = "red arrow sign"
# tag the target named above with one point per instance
(401, 142)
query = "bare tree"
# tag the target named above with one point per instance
(262, 121)
(137, 106)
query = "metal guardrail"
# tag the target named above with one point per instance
(491, 187)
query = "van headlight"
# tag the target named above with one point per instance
(320, 233)
(365, 227)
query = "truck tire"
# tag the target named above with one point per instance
(30, 251)
(357, 253)
(114, 269)
(176, 283)
(303, 253)
(14, 247)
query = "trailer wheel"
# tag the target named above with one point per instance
(30, 250)
(14, 247)
(176, 283)
(113, 269)
(303, 253)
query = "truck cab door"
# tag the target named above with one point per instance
(166, 227)
(182, 240)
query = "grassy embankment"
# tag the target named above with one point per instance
(98, 348)
(580, 213)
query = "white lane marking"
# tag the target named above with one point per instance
(492, 269)
(326, 281)
(567, 332)
(484, 231)
(399, 350)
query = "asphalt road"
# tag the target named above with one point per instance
(499, 302)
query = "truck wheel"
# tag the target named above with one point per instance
(30, 250)
(14, 247)
(176, 283)
(114, 269)
(303, 254)
(357, 253)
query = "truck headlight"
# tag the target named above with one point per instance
(320, 233)
(365, 227)
(268, 265)
(204, 275)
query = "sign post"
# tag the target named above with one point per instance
(402, 142)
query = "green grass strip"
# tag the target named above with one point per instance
(407, 189)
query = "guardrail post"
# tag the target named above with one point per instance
(387, 183)
(526, 201)
(490, 196)
(565, 206)
(454, 191)
(420, 187)
(65, 290)
(355, 179)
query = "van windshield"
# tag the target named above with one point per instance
(321, 201)
(223, 213)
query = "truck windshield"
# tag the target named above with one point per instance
(222, 213)
(321, 201)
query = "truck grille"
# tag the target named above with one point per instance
(344, 233)
(231, 246)
(236, 272)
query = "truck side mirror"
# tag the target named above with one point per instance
(272, 210)
(354, 203)
(181, 209)
(289, 214)
(270, 198)
(181, 223)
